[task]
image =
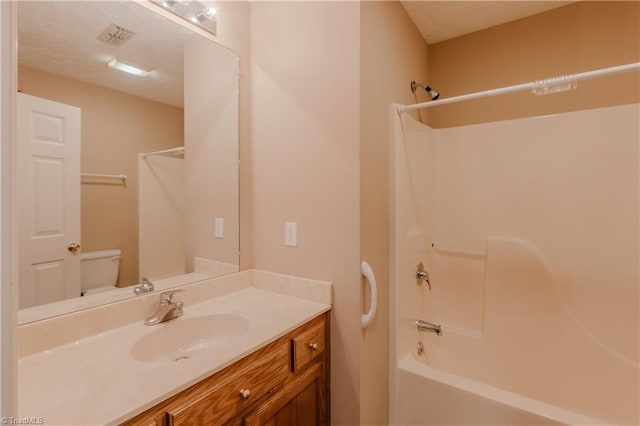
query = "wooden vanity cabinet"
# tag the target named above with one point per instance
(295, 404)
(284, 383)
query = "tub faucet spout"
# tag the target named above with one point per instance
(427, 326)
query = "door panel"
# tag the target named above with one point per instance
(47, 273)
(48, 200)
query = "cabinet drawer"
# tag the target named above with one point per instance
(257, 374)
(309, 343)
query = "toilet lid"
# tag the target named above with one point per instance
(100, 290)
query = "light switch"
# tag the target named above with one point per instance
(219, 227)
(291, 234)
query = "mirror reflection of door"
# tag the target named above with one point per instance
(174, 218)
(48, 150)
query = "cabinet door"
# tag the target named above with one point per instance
(298, 403)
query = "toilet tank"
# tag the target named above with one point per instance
(99, 268)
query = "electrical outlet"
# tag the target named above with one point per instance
(219, 227)
(291, 234)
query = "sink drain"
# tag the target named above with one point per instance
(180, 358)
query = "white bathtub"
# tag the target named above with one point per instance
(428, 396)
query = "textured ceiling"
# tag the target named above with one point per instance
(442, 20)
(60, 37)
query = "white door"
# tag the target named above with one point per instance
(48, 201)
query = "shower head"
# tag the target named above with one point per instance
(434, 95)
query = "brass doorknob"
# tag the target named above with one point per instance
(73, 247)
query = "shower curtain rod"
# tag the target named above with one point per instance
(103, 176)
(558, 83)
(177, 150)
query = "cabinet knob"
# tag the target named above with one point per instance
(245, 393)
(73, 247)
(313, 346)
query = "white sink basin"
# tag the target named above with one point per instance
(184, 338)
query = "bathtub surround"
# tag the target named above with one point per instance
(517, 283)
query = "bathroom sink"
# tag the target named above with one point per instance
(184, 338)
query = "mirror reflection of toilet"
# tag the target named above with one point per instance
(99, 271)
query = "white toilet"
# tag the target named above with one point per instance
(99, 271)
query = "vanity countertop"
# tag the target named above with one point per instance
(96, 380)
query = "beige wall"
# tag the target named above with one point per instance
(211, 158)
(234, 32)
(571, 39)
(393, 53)
(115, 128)
(161, 206)
(305, 154)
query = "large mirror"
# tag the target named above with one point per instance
(121, 176)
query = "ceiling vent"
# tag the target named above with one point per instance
(115, 35)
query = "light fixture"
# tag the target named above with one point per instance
(113, 63)
(210, 12)
(193, 11)
(207, 14)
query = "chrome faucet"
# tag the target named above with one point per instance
(167, 310)
(427, 326)
(145, 286)
(422, 275)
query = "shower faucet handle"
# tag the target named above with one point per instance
(422, 275)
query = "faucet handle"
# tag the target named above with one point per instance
(144, 286)
(166, 297)
(422, 275)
